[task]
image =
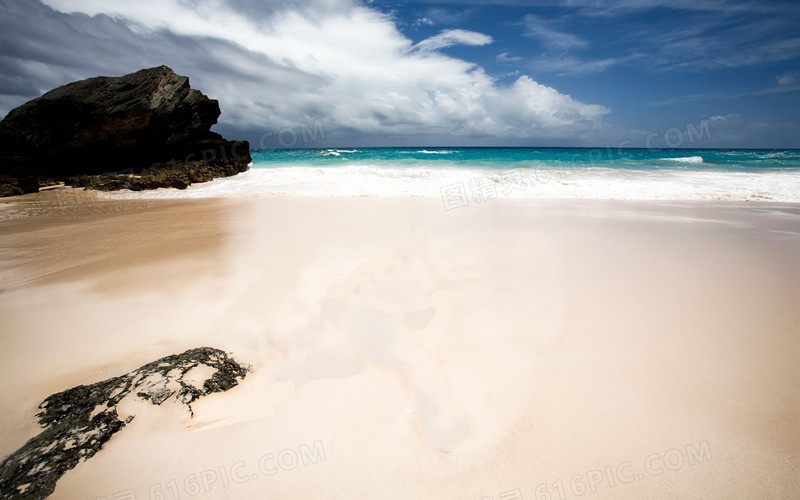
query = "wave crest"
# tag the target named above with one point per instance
(687, 159)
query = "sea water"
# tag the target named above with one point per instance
(462, 176)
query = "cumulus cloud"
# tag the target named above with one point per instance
(277, 64)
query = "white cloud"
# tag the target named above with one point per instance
(719, 120)
(617, 7)
(448, 17)
(505, 57)
(788, 78)
(695, 36)
(280, 64)
(448, 38)
(532, 105)
(552, 38)
(568, 65)
(557, 45)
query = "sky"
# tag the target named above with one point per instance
(337, 73)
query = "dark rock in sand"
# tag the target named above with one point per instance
(79, 421)
(145, 130)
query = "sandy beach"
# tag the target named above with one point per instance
(517, 348)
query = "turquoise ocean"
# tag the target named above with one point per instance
(475, 175)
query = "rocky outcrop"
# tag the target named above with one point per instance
(143, 130)
(79, 421)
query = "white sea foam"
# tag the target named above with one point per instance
(687, 159)
(780, 155)
(484, 184)
(337, 152)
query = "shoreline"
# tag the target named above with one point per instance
(66, 200)
(405, 350)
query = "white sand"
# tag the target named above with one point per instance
(596, 349)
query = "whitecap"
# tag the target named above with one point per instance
(687, 159)
(781, 155)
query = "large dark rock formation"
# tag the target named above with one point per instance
(147, 129)
(79, 421)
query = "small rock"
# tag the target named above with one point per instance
(79, 421)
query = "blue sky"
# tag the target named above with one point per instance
(320, 73)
